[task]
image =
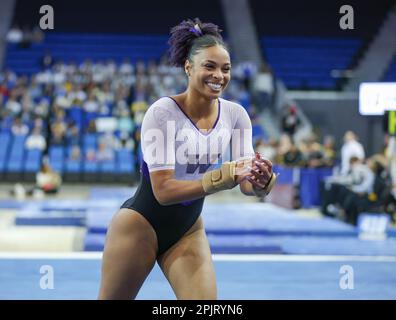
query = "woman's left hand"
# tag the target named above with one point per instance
(260, 173)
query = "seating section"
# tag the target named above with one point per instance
(123, 163)
(308, 62)
(79, 47)
(390, 74)
(16, 161)
(76, 154)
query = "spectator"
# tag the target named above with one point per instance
(263, 87)
(267, 150)
(90, 155)
(91, 105)
(126, 67)
(36, 140)
(105, 153)
(290, 120)
(47, 60)
(109, 140)
(18, 128)
(139, 109)
(126, 142)
(284, 146)
(13, 105)
(7, 121)
(58, 129)
(350, 148)
(27, 38)
(75, 153)
(329, 153)
(73, 135)
(15, 35)
(336, 189)
(91, 126)
(293, 157)
(48, 180)
(375, 192)
(313, 153)
(37, 35)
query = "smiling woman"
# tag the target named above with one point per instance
(162, 221)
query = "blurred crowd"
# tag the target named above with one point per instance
(66, 101)
(24, 36)
(359, 183)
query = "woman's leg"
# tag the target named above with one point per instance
(188, 266)
(129, 255)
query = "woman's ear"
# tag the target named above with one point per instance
(187, 67)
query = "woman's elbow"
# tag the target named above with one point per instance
(162, 198)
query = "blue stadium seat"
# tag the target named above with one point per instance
(14, 164)
(56, 158)
(56, 152)
(108, 166)
(5, 139)
(72, 166)
(308, 61)
(76, 113)
(125, 161)
(90, 140)
(33, 160)
(78, 47)
(90, 167)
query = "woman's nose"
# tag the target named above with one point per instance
(218, 74)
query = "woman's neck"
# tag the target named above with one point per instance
(197, 106)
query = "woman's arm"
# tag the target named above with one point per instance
(167, 190)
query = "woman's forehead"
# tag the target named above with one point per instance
(216, 54)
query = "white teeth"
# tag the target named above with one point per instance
(214, 86)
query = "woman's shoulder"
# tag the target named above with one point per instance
(231, 106)
(162, 102)
(161, 110)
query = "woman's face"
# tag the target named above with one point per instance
(210, 71)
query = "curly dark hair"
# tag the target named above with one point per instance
(191, 36)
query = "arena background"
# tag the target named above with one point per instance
(70, 99)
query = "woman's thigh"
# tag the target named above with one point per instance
(129, 255)
(188, 266)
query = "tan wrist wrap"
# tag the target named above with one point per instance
(220, 179)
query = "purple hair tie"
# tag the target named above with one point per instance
(196, 30)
